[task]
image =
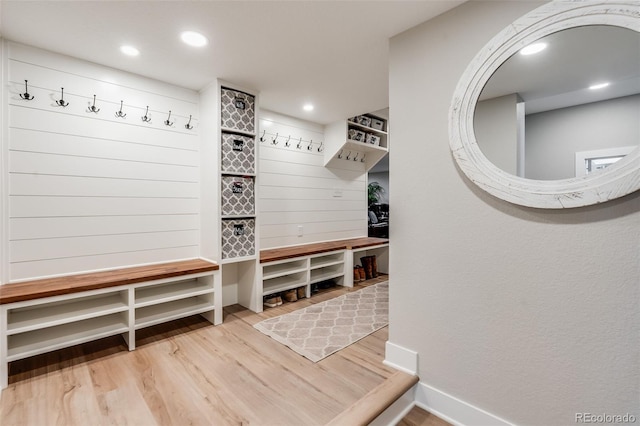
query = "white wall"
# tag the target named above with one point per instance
(297, 190)
(554, 137)
(91, 191)
(496, 126)
(528, 314)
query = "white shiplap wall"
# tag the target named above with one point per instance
(92, 191)
(297, 190)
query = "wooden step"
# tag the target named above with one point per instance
(370, 406)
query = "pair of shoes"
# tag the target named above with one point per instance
(370, 266)
(272, 301)
(302, 292)
(358, 274)
(290, 295)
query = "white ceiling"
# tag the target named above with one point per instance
(333, 54)
(574, 59)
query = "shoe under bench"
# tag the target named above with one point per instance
(291, 267)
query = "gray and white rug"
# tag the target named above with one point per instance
(318, 331)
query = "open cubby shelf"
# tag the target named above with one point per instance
(21, 320)
(301, 271)
(156, 314)
(36, 326)
(35, 342)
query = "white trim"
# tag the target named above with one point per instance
(616, 181)
(396, 411)
(582, 156)
(401, 358)
(452, 409)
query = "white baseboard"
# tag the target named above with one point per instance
(396, 411)
(401, 358)
(452, 409)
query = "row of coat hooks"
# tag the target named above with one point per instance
(299, 143)
(350, 156)
(146, 118)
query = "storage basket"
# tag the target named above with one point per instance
(377, 123)
(238, 238)
(237, 110)
(238, 154)
(373, 139)
(356, 135)
(238, 198)
(364, 120)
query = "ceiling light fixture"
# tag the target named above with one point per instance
(308, 107)
(129, 50)
(194, 39)
(534, 48)
(599, 86)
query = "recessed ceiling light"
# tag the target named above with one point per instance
(308, 107)
(194, 39)
(599, 86)
(533, 48)
(129, 50)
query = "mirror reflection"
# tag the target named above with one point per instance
(565, 106)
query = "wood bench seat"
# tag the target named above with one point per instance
(35, 289)
(43, 315)
(272, 255)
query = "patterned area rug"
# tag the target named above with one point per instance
(317, 331)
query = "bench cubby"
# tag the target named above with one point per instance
(291, 267)
(45, 315)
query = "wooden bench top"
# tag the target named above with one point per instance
(271, 255)
(35, 289)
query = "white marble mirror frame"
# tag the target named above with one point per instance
(618, 180)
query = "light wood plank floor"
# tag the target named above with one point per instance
(419, 417)
(190, 372)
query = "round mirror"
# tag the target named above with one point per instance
(548, 113)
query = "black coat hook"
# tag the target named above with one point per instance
(119, 114)
(340, 155)
(362, 159)
(262, 137)
(349, 156)
(274, 141)
(299, 145)
(310, 146)
(167, 122)
(26, 96)
(321, 147)
(356, 157)
(287, 142)
(188, 126)
(147, 116)
(93, 108)
(61, 102)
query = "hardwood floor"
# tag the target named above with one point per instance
(419, 417)
(190, 372)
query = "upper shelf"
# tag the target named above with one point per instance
(348, 140)
(365, 128)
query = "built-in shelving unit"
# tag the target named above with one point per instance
(238, 174)
(301, 271)
(40, 325)
(363, 138)
(238, 223)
